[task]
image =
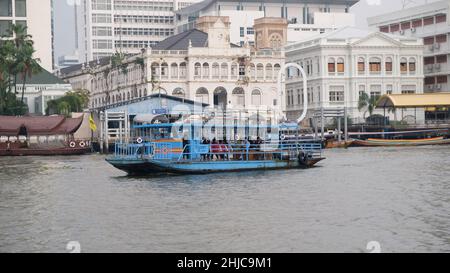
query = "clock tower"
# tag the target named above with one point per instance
(218, 30)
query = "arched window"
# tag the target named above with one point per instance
(256, 97)
(238, 96)
(403, 65)
(234, 70)
(361, 65)
(215, 71)
(145, 92)
(269, 72)
(140, 93)
(164, 71)
(174, 71)
(252, 71)
(224, 71)
(182, 70)
(202, 95)
(276, 70)
(260, 71)
(197, 70)
(331, 65)
(375, 65)
(388, 65)
(178, 92)
(412, 65)
(340, 65)
(275, 41)
(205, 71)
(155, 71)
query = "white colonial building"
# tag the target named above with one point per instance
(343, 64)
(432, 23)
(199, 64)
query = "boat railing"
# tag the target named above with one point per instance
(246, 152)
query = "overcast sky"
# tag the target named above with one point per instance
(65, 31)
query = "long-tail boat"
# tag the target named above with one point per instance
(372, 142)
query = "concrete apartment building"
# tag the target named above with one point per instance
(305, 18)
(199, 64)
(37, 16)
(106, 26)
(431, 23)
(343, 64)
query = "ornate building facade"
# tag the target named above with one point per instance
(343, 64)
(200, 65)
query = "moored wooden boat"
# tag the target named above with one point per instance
(375, 142)
(332, 144)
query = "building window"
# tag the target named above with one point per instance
(375, 65)
(440, 59)
(441, 79)
(395, 28)
(384, 29)
(412, 65)
(441, 38)
(430, 80)
(6, 8)
(417, 23)
(389, 89)
(362, 90)
(428, 40)
(408, 89)
(388, 65)
(430, 60)
(256, 97)
(331, 66)
(375, 91)
(5, 27)
(340, 65)
(406, 25)
(336, 93)
(21, 8)
(361, 65)
(250, 31)
(428, 21)
(242, 31)
(441, 18)
(403, 65)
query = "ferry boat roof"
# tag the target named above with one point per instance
(290, 126)
(37, 125)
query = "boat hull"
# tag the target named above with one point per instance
(153, 167)
(401, 142)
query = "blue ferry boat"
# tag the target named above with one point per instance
(157, 148)
(151, 152)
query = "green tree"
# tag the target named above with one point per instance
(367, 103)
(16, 59)
(74, 101)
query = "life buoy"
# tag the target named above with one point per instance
(72, 144)
(139, 140)
(165, 151)
(282, 137)
(82, 144)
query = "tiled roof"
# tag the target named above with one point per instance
(43, 77)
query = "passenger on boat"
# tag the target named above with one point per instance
(215, 149)
(224, 150)
(247, 148)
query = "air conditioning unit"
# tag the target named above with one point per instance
(437, 46)
(437, 87)
(431, 48)
(430, 87)
(402, 32)
(413, 30)
(437, 67)
(429, 68)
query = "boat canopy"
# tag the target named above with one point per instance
(414, 100)
(285, 126)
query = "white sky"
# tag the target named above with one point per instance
(65, 33)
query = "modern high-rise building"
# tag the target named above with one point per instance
(305, 18)
(37, 16)
(431, 23)
(106, 26)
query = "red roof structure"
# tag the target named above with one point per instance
(37, 126)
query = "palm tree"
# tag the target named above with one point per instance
(367, 103)
(27, 65)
